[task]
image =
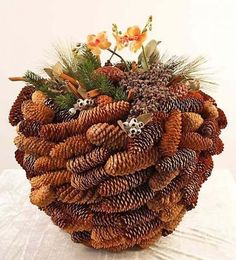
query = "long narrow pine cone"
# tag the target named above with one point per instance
(172, 135)
(46, 163)
(15, 115)
(191, 121)
(29, 128)
(108, 113)
(43, 196)
(107, 135)
(88, 161)
(124, 163)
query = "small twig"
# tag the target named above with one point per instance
(72, 88)
(115, 53)
(16, 78)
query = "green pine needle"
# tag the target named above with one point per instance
(65, 101)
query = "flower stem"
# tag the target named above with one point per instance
(112, 54)
(145, 58)
(115, 53)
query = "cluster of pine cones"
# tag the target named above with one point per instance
(108, 190)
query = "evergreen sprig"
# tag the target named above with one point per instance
(65, 101)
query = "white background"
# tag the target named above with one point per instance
(192, 27)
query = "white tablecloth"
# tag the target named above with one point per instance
(207, 232)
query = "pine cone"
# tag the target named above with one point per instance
(125, 163)
(125, 201)
(88, 161)
(103, 100)
(19, 156)
(209, 128)
(113, 73)
(108, 113)
(46, 163)
(29, 128)
(116, 185)
(15, 115)
(169, 214)
(42, 197)
(210, 111)
(171, 225)
(191, 121)
(216, 148)
(87, 180)
(222, 120)
(107, 136)
(160, 180)
(33, 145)
(179, 90)
(72, 146)
(171, 138)
(81, 237)
(178, 161)
(37, 112)
(195, 142)
(150, 134)
(55, 178)
(39, 97)
(28, 165)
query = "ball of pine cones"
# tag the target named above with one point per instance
(109, 180)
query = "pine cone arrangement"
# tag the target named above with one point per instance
(120, 156)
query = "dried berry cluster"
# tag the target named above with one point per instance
(109, 190)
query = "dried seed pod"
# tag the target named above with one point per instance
(222, 120)
(34, 145)
(37, 112)
(87, 180)
(113, 73)
(72, 146)
(171, 137)
(103, 100)
(46, 163)
(191, 121)
(15, 115)
(178, 161)
(116, 185)
(107, 136)
(150, 134)
(29, 128)
(125, 163)
(88, 161)
(39, 97)
(159, 180)
(195, 142)
(43, 196)
(55, 178)
(125, 201)
(108, 113)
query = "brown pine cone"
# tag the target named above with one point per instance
(125, 201)
(124, 163)
(88, 161)
(107, 136)
(216, 148)
(55, 178)
(169, 214)
(29, 128)
(171, 225)
(159, 180)
(33, 145)
(108, 113)
(19, 156)
(37, 112)
(116, 185)
(113, 73)
(179, 90)
(210, 111)
(209, 128)
(171, 137)
(81, 237)
(46, 163)
(191, 121)
(222, 120)
(103, 100)
(39, 97)
(89, 179)
(146, 139)
(72, 146)
(43, 196)
(28, 165)
(195, 142)
(15, 115)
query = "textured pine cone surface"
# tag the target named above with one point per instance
(107, 189)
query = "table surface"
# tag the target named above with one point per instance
(207, 232)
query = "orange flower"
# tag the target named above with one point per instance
(122, 41)
(97, 42)
(137, 37)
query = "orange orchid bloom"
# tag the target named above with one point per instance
(122, 41)
(137, 37)
(97, 42)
